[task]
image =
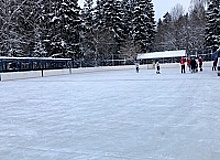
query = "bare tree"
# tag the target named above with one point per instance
(197, 24)
(194, 3)
(177, 11)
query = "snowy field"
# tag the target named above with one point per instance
(117, 115)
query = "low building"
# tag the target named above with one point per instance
(162, 57)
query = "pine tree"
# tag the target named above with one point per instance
(213, 25)
(11, 38)
(119, 23)
(98, 14)
(34, 45)
(128, 48)
(63, 24)
(143, 24)
(87, 34)
(118, 30)
(109, 26)
(139, 25)
(150, 25)
(159, 42)
(127, 16)
(108, 29)
(99, 34)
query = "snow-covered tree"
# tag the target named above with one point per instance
(108, 24)
(111, 25)
(213, 25)
(127, 16)
(143, 24)
(31, 24)
(63, 24)
(150, 25)
(12, 37)
(87, 33)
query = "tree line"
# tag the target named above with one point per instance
(196, 31)
(105, 31)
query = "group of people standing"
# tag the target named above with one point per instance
(193, 64)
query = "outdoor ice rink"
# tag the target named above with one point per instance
(115, 115)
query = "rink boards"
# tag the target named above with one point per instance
(46, 73)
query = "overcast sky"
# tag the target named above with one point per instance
(163, 6)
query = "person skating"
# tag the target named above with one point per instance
(137, 67)
(182, 65)
(200, 63)
(214, 65)
(193, 65)
(189, 63)
(157, 68)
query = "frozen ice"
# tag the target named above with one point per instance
(115, 115)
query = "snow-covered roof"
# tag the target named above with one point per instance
(166, 54)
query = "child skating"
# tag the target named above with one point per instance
(157, 68)
(137, 67)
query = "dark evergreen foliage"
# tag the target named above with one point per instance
(87, 34)
(63, 24)
(105, 31)
(213, 25)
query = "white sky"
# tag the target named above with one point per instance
(163, 6)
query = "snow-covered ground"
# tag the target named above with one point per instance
(117, 115)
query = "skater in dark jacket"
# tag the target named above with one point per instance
(137, 67)
(193, 65)
(157, 68)
(214, 65)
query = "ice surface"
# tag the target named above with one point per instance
(119, 115)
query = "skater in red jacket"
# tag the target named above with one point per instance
(200, 63)
(182, 64)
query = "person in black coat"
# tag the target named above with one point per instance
(214, 64)
(193, 65)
